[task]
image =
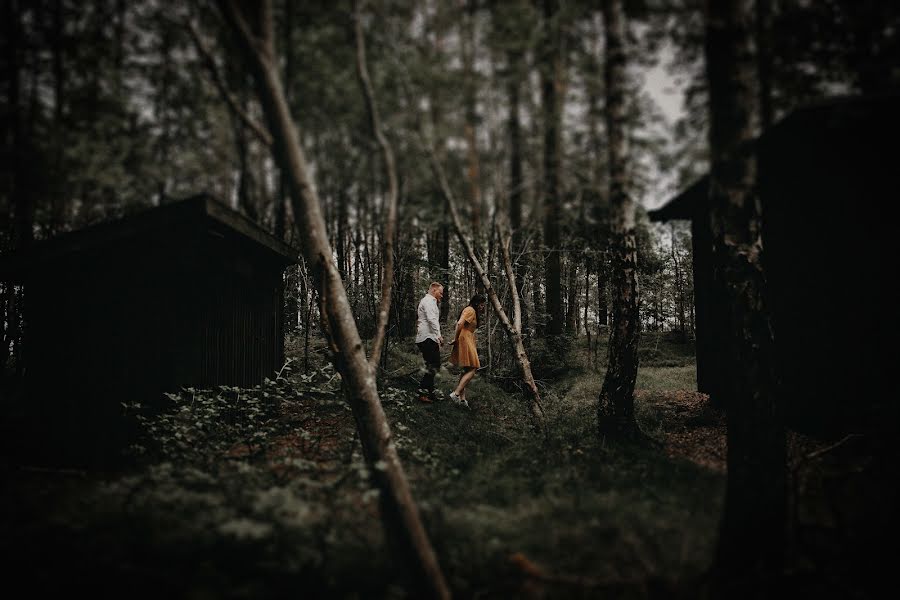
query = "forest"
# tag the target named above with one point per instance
(465, 298)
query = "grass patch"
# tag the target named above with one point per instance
(289, 507)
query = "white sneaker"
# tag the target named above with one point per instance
(458, 401)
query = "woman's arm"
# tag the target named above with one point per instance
(459, 327)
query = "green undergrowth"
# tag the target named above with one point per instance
(263, 493)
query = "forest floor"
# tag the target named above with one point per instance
(271, 499)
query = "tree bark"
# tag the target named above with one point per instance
(400, 515)
(751, 541)
(615, 412)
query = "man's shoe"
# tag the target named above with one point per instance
(425, 396)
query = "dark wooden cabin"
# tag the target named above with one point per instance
(829, 184)
(187, 294)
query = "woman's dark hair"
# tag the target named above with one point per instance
(475, 302)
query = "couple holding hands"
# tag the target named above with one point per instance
(429, 340)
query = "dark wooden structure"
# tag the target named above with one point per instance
(187, 294)
(829, 184)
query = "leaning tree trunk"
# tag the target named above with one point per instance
(750, 549)
(615, 410)
(400, 515)
(390, 218)
(513, 331)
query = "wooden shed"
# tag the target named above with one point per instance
(829, 185)
(186, 294)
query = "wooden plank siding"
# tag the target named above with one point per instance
(185, 299)
(828, 186)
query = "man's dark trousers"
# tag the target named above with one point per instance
(431, 352)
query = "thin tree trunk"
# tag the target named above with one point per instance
(602, 304)
(444, 247)
(764, 61)
(552, 101)
(587, 302)
(572, 297)
(287, 41)
(21, 206)
(516, 180)
(679, 288)
(750, 550)
(515, 335)
(245, 197)
(390, 218)
(342, 234)
(403, 524)
(470, 87)
(615, 412)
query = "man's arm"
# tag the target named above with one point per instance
(434, 321)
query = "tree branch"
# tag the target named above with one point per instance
(219, 81)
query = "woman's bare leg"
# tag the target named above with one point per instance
(464, 380)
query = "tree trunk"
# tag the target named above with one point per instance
(615, 412)
(750, 550)
(390, 217)
(572, 297)
(245, 197)
(679, 288)
(602, 304)
(444, 250)
(342, 234)
(587, 302)
(470, 88)
(551, 101)
(287, 42)
(516, 179)
(21, 207)
(402, 522)
(764, 61)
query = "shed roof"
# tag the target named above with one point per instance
(825, 115)
(685, 204)
(199, 210)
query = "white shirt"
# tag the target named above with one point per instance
(428, 319)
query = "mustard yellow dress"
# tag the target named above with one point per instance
(464, 353)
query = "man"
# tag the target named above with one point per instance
(429, 339)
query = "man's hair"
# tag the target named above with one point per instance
(435, 284)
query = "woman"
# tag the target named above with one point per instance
(464, 353)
